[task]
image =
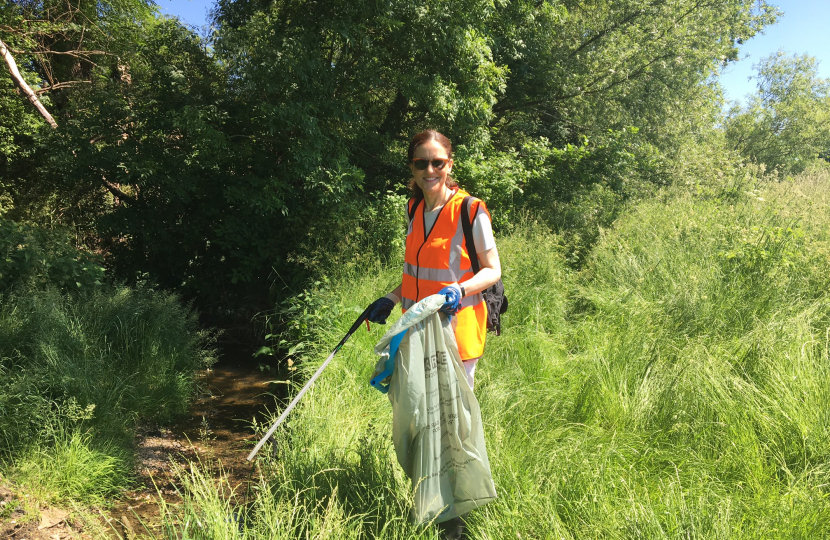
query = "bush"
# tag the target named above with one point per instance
(35, 256)
(580, 189)
(354, 235)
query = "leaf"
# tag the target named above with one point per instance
(51, 517)
(263, 351)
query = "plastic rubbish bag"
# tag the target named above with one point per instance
(436, 420)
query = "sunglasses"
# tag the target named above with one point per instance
(421, 163)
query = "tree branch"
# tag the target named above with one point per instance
(77, 53)
(118, 193)
(58, 86)
(394, 114)
(18, 79)
(613, 27)
(81, 54)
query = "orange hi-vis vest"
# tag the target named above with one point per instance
(437, 258)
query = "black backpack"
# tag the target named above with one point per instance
(494, 295)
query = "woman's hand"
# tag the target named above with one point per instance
(379, 310)
(453, 295)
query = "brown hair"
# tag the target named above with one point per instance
(418, 140)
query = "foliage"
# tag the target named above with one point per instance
(99, 361)
(612, 64)
(580, 189)
(60, 46)
(786, 124)
(35, 256)
(501, 79)
(322, 98)
(151, 181)
(215, 167)
(358, 235)
(71, 468)
(61, 43)
(19, 135)
(328, 95)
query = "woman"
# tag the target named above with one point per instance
(436, 258)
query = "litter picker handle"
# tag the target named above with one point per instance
(389, 366)
(308, 385)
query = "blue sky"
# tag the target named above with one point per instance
(192, 12)
(802, 29)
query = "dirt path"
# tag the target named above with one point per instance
(218, 431)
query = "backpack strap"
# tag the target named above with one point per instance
(467, 226)
(413, 206)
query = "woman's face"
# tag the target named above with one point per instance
(431, 180)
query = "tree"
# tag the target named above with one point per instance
(19, 127)
(62, 41)
(52, 48)
(208, 166)
(580, 68)
(322, 97)
(349, 82)
(150, 176)
(23, 85)
(786, 124)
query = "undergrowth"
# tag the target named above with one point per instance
(79, 371)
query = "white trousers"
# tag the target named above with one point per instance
(470, 368)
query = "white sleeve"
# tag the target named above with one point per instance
(483, 232)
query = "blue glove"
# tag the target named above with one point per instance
(453, 303)
(379, 310)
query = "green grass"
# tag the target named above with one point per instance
(79, 372)
(677, 387)
(70, 468)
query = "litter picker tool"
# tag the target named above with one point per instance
(310, 382)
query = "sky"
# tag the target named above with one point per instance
(191, 12)
(802, 29)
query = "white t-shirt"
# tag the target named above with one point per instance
(482, 228)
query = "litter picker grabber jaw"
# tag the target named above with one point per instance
(308, 385)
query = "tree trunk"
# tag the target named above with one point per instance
(7, 56)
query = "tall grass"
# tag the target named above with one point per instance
(675, 388)
(79, 371)
(699, 361)
(73, 467)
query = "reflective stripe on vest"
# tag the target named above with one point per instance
(467, 301)
(437, 258)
